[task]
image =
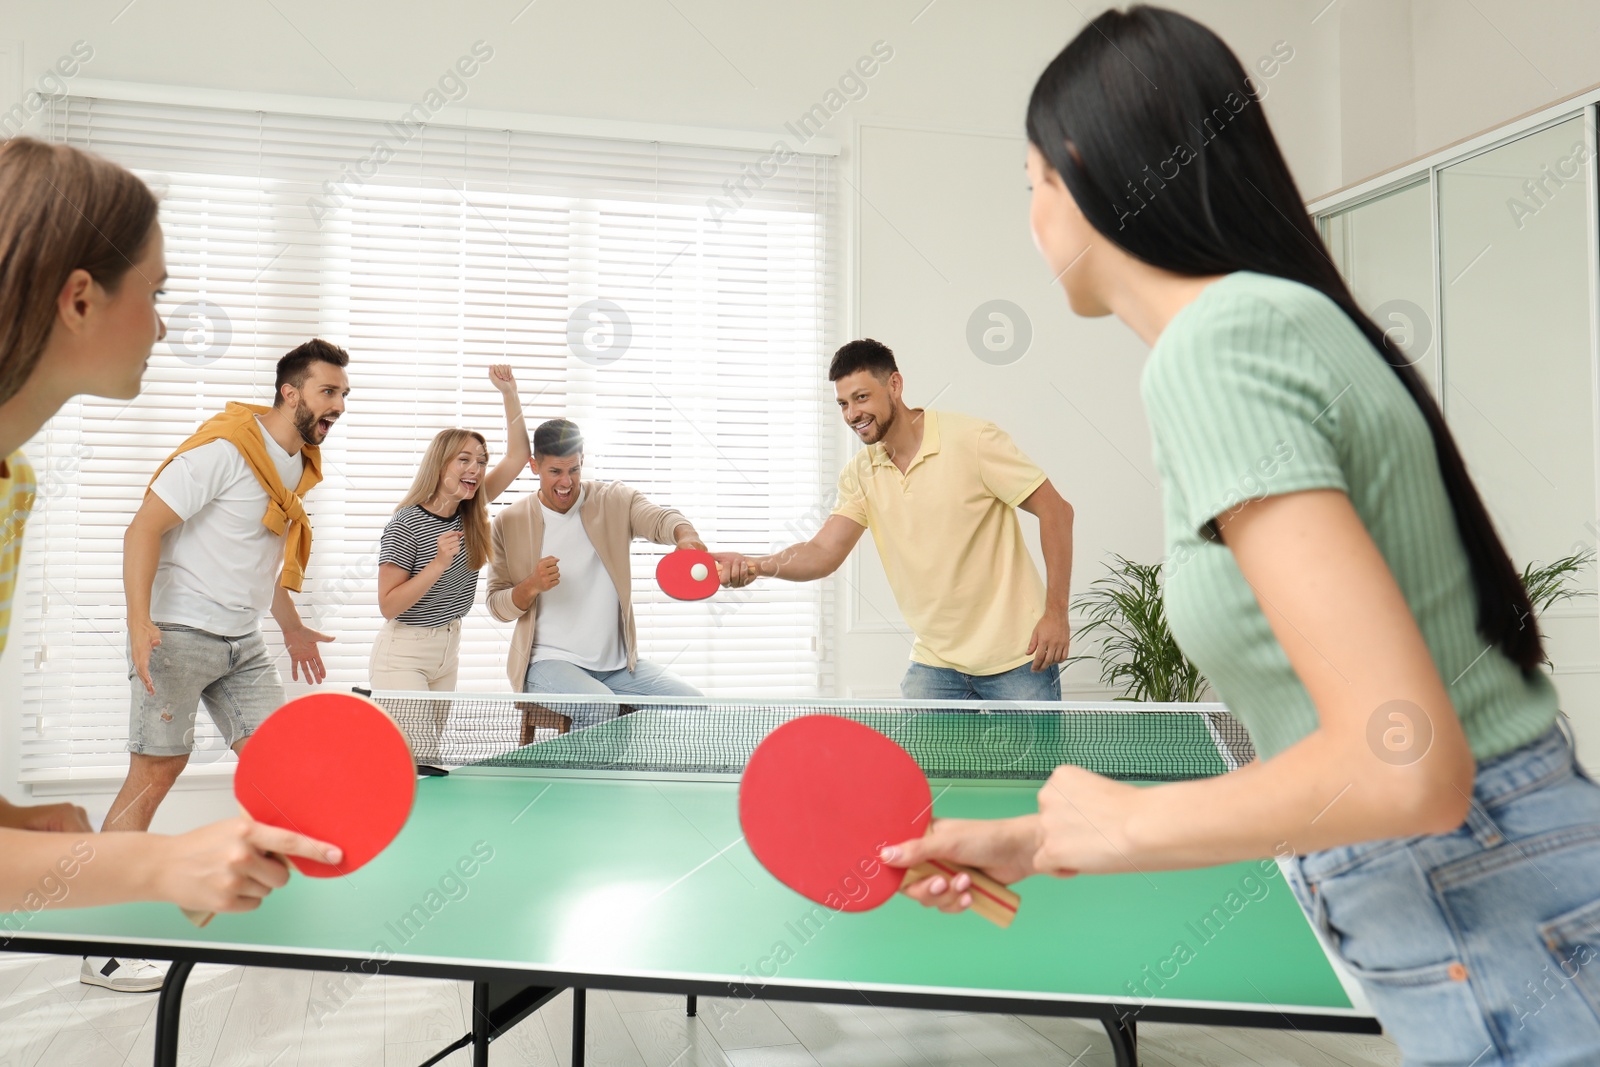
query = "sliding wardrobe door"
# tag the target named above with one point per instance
(1384, 249)
(1516, 286)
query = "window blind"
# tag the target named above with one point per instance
(671, 299)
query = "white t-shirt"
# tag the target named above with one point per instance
(580, 620)
(220, 567)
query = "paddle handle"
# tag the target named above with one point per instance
(990, 899)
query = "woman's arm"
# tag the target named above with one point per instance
(399, 589)
(227, 866)
(518, 450)
(1387, 759)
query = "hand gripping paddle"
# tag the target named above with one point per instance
(331, 766)
(688, 574)
(820, 798)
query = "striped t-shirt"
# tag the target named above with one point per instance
(16, 502)
(1261, 387)
(411, 540)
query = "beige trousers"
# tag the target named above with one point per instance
(416, 659)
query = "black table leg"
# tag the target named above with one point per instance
(1123, 1032)
(168, 1010)
(692, 1007)
(496, 1007)
(578, 1011)
(480, 1024)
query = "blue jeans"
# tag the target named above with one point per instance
(645, 680)
(923, 682)
(1480, 946)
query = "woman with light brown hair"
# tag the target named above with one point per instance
(82, 264)
(433, 548)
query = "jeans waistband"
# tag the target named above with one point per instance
(185, 628)
(1499, 779)
(1547, 756)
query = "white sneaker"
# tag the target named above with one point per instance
(123, 976)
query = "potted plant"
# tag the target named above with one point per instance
(1138, 656)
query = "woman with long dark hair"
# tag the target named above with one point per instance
(1330, 567)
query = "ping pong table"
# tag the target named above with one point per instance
(611, 857)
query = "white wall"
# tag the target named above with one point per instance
(1377, 86)
(1417, 75)
(1480, 64)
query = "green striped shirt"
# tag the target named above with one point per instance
(1261, 387)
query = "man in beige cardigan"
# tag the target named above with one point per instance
(561, 572)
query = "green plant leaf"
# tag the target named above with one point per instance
(1552, 583)
(1138, 656)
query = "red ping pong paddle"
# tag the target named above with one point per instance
(331, 766)
(820, 798)
(688, 574)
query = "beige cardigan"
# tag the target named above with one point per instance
(613, 515)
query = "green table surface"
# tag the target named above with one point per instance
(649, 878)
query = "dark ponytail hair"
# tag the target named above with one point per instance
(1158, 134)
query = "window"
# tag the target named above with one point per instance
(671, 299)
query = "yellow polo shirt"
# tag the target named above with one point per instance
(16, 502)
(948, 534)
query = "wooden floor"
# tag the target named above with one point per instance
(248, 1015)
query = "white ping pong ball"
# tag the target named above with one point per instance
(698, 572)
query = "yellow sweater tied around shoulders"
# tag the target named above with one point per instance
(285, 510)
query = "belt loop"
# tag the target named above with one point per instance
(1568, 740)
(1484, 831)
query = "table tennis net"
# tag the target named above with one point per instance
(1123, 740)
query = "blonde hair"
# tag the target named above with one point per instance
(61, 210)
(475, 511)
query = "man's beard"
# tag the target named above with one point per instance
(305, 422)
(883, 427)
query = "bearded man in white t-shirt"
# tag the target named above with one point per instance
(561, 572)
(210, 550)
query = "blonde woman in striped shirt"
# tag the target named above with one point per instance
(430, 554)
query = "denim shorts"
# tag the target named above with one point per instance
(234, 676)
(1480, 946)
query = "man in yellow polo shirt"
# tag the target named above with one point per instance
(940, 493)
